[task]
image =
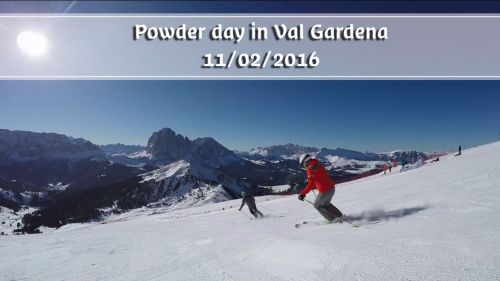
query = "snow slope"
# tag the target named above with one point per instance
(437, 222)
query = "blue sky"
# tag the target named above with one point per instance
(362, 115)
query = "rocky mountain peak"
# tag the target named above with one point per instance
(208, 148)
(170, 146)
(165, 144)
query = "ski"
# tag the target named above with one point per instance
(344, 220)
(338, 221)
(298, 225)
(267, 217)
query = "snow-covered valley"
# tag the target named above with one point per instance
(437, 222)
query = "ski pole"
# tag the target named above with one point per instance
(341, 218)
(312, 203)
(245, 215)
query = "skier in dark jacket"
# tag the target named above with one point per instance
(250, 201)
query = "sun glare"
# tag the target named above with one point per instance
(34, 44)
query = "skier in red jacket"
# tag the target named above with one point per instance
(317, 177)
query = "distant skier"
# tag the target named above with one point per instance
(318, 178)
(385, 168)
(250, 201)
(459, 150)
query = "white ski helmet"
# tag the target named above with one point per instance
(304, 158)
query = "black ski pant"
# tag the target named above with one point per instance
(256, 213)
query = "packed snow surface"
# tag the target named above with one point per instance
(437, 222)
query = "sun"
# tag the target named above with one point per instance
(32, 43)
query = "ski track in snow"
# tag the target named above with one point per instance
(438, 222)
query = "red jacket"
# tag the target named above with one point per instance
(317, 177)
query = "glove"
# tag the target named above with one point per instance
(301, 197)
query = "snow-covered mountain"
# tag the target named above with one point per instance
(49, 176)
(36, 166)
(292, 151)
(186, 184)
(278, 152)
(177, 185)
(23, 146)
(272, 165)
(342, 163)
(436, 222)
(120, 149)
(166, 146)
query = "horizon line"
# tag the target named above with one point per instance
(238, 150)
